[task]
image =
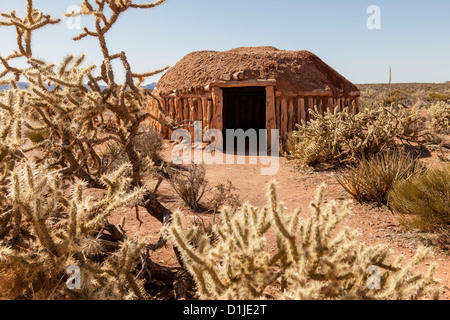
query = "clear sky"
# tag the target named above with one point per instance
(414, 37)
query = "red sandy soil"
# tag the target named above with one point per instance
(297, 188)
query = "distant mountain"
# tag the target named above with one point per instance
(24, 85)
(150, 86)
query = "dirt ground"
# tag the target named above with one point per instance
(297, 188)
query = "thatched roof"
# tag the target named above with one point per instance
(294, 70)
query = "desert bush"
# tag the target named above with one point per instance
(343, 137)
(189, 184)
(223, 194)
(149, 144)
(437, 96)
(312, 261)
(371, 178)
(440, 117)
(395, 97)
(423, 201)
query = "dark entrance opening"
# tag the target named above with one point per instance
(243, 108)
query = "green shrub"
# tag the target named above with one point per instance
(423, 201)
(396, 96)
(436, 96)
(372, 178)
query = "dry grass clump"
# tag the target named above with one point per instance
(190, 184)
(423, 201)
(311, 260)
(224, 194)
(373, 177)
(343, 137)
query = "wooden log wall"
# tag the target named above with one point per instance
(195, 108)
(283, 111)
(290, 110)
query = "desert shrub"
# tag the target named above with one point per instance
(343, 137)
(396, 96)
(189, 184)
(437, 96)
(440, 117)
(312, 261)
(149, 144)
(223, 194)
(371, 178)
(423, 201)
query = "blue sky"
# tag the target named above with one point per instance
(414, 37)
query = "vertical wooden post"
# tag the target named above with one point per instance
(301, 110)
(284, 117)
(271, 121)
(310, 106)
(319, 105)
(171, 115)
(178, 110)
(186, 109)
(199, 117)
(330, 106)
(192, 115)
(205, 113)
(290, 115)
(357, 104)
(217, 96)
(165, 130)
(209, 114)
(278, 112)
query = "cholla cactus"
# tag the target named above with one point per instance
(342, 136)
(52, 225)
(440, 117)
(311, 261)
(47, 220)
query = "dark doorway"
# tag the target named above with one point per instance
(244, 108)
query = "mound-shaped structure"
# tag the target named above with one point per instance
(251, 88)
(293, 70)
